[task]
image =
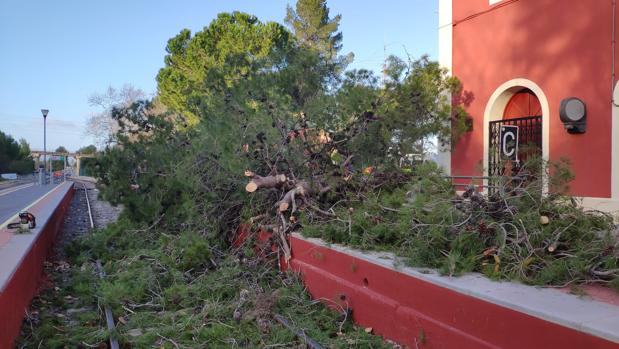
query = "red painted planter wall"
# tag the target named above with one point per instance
(24, 284)
(562, 46)
(420, 314)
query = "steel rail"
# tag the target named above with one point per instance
(109, 317)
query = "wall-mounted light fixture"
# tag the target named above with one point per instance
(573, 113)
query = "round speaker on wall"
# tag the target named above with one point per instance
(573, 113)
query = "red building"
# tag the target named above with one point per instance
(518, 60)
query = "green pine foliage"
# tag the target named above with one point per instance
(165, 288)
(517, 235)
(314, 28)
(232, 48)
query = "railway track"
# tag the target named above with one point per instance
(84, 213)
(109, 317)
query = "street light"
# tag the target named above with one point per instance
(44, 112)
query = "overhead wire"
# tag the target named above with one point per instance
(493, 8)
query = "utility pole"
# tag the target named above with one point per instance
(64, 170)
(44, 112)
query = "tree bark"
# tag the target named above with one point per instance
(301, 189)
(259, 182)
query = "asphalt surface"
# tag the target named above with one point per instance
(14, 183)
(16, 198)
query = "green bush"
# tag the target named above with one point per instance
(21, 166)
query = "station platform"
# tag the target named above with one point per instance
(22, 255)
(15, 198)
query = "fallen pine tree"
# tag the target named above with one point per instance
(179, 291)
(254, 125)
(516, 233)
(528, 229)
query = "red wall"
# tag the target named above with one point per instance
(420, 314)
(564, 46)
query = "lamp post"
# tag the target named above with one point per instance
(44, 112)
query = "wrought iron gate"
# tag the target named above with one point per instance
(529, 144)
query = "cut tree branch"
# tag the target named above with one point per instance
(289, 199)
(259, 182)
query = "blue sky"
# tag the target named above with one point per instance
(55, 54)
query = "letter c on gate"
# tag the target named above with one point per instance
(511, 151)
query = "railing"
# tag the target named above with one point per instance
(486, 179)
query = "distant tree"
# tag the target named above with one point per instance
(90, 149)
(314, 28)
(12, 157)
(9, 151)
(24, 148)
(101, 126)
(61, 149)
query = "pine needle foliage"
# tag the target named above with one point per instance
(179, 291)
(314, 28)
(514, 234)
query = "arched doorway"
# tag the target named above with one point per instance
(522, 104)
(519, 102)
(523, 114)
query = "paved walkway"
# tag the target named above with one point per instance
(14, 199)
